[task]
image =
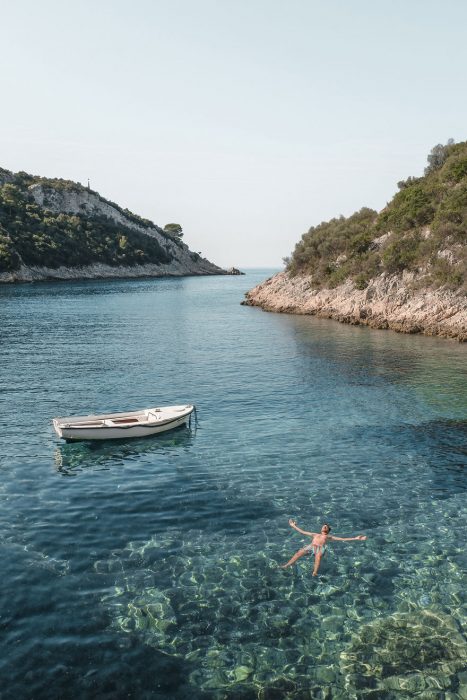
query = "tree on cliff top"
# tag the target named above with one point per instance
(174, 230)
(437, 156)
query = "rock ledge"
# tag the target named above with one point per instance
(389, 301)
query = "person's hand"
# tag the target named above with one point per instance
(292, 523)
(360, 537)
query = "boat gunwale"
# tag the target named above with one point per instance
(97, 421)
(108, 428)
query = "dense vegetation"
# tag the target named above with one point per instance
(38, 236)
(423, 229)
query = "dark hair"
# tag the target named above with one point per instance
(327, 525)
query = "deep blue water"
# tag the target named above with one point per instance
(149, 568)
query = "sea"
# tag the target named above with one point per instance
(150, 568)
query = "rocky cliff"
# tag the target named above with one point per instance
(389, 301)
(57, 229)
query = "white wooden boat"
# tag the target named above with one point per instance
(109, 426)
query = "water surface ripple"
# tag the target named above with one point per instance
(149, 569)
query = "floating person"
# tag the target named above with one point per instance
(318, 544)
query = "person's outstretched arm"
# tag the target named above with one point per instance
(293, 524)
(346, 539)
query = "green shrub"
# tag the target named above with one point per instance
(456, 169)
(9, 259)
(401, 253)
(319, 249)
(361, 242)
(447, 275)
(411, 207)
(427, 215)
(44, 238)
(337, 277)
(453, 208)
(361, 281)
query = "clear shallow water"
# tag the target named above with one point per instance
(149, 568)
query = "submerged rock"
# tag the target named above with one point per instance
(407, 652)
(248, 632)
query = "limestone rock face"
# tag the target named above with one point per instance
(80, 201)
(389, 301)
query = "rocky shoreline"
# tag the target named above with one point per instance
(101, 271)
(393, 302)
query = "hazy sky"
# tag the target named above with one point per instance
(246, 121)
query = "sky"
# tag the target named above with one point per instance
(246, 122)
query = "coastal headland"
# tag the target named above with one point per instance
(404, 268)
(54, 229)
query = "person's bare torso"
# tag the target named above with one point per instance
(319, 540)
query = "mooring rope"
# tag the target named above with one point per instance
(195, 414)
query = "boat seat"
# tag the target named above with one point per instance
(154, 416)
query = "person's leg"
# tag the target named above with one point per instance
(296, 556)
(318, 555)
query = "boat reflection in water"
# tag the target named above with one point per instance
(73, 457)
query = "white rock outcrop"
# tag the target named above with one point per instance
(80, 201)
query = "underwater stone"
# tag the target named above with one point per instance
(277, 690)
(101, 567)
(333, 623)
(241, 673)
(232, 614)
(413, 646)
(325, 675)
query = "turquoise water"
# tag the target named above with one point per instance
(149, 568)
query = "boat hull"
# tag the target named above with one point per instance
(119, 426)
